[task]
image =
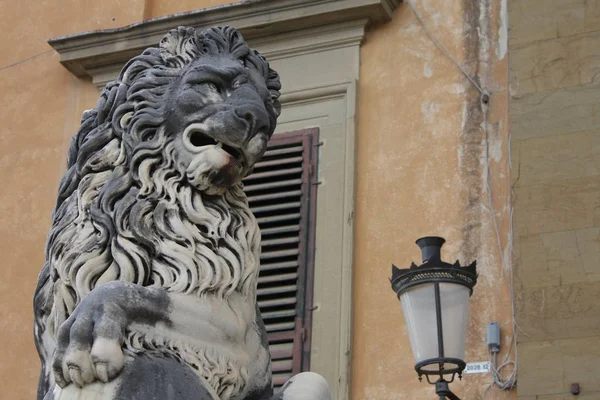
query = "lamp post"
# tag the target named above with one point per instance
(435, 300)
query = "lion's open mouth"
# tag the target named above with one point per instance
(199, 139)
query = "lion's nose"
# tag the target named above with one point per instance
(255, 119)
(246, 115)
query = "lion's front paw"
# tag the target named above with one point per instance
(89, 344)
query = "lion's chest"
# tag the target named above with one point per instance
(215, 337)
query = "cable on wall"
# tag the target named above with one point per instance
(26, 59)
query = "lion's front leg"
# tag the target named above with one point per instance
(89, 341)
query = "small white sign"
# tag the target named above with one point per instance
(478, 367)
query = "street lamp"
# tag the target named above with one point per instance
(435, 300)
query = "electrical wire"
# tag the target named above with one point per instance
(443, 49)
(510, 381)
(503, 383)
(498, 379)
(25, 59)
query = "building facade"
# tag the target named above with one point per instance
(472, 120)
(553, 63)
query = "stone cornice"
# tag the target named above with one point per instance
(97, 53)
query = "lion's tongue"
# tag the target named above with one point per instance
(227, 174)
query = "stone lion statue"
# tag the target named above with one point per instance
(149, 285)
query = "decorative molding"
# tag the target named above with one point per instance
(290, 44)
(315, 93)
(99, 53)
(313, 40)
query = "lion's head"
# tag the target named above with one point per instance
(210, 97)
(152, 193)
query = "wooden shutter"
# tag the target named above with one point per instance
(282, 194)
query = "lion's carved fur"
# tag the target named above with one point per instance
(126, 212)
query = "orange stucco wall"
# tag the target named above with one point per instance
(419, 172)
(159, 8)
(40, 108)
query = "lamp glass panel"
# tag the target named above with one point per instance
(418, 304)
(455, 313)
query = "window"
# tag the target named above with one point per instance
(282, 195)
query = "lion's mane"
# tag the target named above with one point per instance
(124, 212)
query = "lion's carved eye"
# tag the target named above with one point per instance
(212, 87)
(239, 82)
(203, 86)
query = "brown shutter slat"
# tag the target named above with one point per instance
(282, 326)
(276, 207)
(278, 254)
(283, 198)
(276, 163)
(277, 218)
(278, 314)
(272, 174)
(278, 265)
(279, 151)
(274, 242)
(281, 351)
(278, 230)
(282, 365)
(277, 290)
(272, 185)
(277, 278)
(277, 302)
(275, 196)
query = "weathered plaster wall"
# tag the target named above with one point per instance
(555, 97)
(40, 107)
(421, 171)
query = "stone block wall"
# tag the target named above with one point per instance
(554, 112)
